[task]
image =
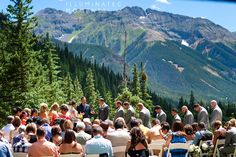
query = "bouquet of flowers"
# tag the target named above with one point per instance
(194, 151)
(208, 149)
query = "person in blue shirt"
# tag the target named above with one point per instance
(202, 134)
(98, 144)
(5, 150)
(47, 128)
(177, 136)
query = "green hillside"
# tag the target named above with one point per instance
(180, 53)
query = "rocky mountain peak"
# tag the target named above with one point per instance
(137, 11)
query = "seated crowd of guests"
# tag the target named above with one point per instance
(50, 132)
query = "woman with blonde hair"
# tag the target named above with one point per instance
(43, 110)
(53, 112)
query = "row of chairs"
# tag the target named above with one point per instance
(216, 152)
(155, 145)
(64, 155)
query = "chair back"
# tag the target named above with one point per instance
(219, 142)
(156, 145)
(70, 155)
(92, 155)
(178, 146)
(18, 154)
(119, 149)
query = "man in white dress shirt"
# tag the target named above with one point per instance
(8, 128)
(120, 136)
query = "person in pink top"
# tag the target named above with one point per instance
(64, 112)
(42, 147)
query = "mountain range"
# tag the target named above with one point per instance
(179, 53)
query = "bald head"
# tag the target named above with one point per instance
(213, 104)
(184, 109)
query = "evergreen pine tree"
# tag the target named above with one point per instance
(191, 100)
(68, 88)
(186, 103)
(90, 91)
(135, 82)
(50, 60)
(78, 92)
(125, 95)
(201, 103)
(181, 102)
(4, 108)
(144, 89)
(18, 62)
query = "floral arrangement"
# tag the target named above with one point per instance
(194, 151)
(208, 149)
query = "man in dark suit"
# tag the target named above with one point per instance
(129, 114)
(161, 115)
(84, 109)
(202, 115)
(230, 141)
(119, 110)
(103, 111)
(188, 116)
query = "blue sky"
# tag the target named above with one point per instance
(221, 13)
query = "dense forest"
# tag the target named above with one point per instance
(33, 70)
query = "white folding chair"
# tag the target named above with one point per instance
(92, 155)
(178, 146)
(200, 145)
(219, 142)
(156, 145)
(189, 141)
(119, 150)
(70, 155)
(18, 154)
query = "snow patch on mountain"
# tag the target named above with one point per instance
(208, 84)
(211, 71)
(184, 42)
(176, 66)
